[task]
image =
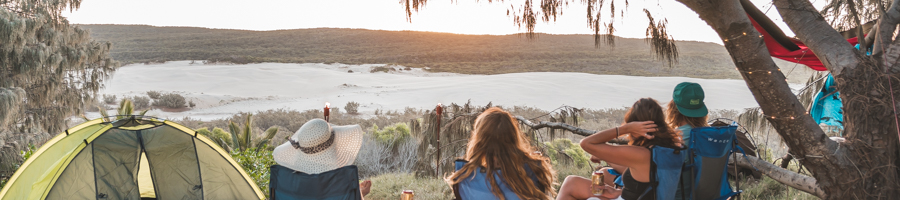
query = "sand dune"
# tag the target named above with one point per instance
(222, 90)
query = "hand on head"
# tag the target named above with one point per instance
(639, 129)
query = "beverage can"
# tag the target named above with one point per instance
(597, 183)
(407, 195)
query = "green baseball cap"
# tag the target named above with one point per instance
(688, 99)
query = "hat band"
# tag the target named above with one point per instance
(316, 149)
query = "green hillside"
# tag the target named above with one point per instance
(441, 52)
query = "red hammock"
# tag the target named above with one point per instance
(781, 46)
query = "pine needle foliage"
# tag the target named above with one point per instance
(57, 64)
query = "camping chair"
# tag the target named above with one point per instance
(477, 187)
(665, 172)
(709, 151)
(338, 184)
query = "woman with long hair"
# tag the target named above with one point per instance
(496, 146)
(641, 128)
(686, 111)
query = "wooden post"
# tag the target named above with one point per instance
(439, 111)
(327, 110)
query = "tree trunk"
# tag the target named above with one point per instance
(864, 167)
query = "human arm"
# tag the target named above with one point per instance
(627, 156)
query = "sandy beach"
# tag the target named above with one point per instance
(223, 90)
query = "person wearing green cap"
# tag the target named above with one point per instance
(685, 112)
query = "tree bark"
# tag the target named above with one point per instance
(885, 29)
(787, 177)
(860, 168)
(812, 29)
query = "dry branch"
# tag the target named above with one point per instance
(564, 126)
(784, 176)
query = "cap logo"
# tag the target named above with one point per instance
(695, 101)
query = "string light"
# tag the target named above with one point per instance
(758, 71)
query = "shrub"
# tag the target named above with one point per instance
(191, 104)
(390, 135)
(109, 99)
(141, 102)
(170, 100)
(256, 163)
(386, 68)
(564, 151)
(218, 135)
(377, 158)
(154, 94)
(352, 108)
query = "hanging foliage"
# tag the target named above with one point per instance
(55, 65)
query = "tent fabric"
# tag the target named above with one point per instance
(129, 159)
(338, 184)
(779, 45)
(827, 108)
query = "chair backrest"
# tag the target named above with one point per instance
(477, 186)
(709, 151)
(338, 184)
(665, 173)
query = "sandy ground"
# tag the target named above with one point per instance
(222, 90)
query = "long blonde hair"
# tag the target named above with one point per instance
(676, 119)
(497, 144)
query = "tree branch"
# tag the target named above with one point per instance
(784, 176)
(885, 27)
(812, 29)
(564, 126)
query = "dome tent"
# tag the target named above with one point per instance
(132, 158)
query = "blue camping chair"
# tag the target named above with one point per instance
(665, 172)
(477, 186)
(338, 184)
(709, 151)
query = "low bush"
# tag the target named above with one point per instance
(218, 135)
(352, 108)
(563, 151)
(140, 102)
(170, 100)
(109, 99)
(154, 94)
(390, 135)
(386, 68)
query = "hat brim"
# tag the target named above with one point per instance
(699, 112)
(347, 142)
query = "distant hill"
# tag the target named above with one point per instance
(441, 52)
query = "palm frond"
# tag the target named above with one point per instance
(270, 133)
(103, 113)
(245, 140)
(235, 134)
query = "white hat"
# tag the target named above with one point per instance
(319, 147)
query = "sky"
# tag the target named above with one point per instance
(460, 16)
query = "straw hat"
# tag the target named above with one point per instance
(319, 147)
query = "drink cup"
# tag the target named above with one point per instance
(407, 195)
(597, 184)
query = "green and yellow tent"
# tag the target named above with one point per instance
(132, 158)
